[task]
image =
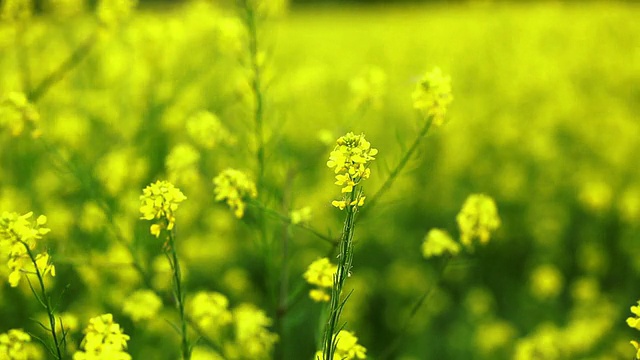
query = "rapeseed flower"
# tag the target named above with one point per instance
(12, 345)
(432, 95)
(210, 310)
(347, 347)
(159, 201)
(142, 305)
(634, 322)
(182, 164)
(300, 216)
(18, 236)
(253, 340)
(350, 160)
(207, 131)
(438, 242)
(103, 340)
(477, 219)
(320, 273)
(234, 186)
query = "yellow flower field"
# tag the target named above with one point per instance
(253, 179)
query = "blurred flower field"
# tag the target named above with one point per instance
(168, 180)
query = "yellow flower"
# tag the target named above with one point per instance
(477, 219)
(253, 340)
(347, 347)
(210, 310)
(234, 186)
(159, 201)
(299, 216)
(17, 233)
(320, 273)
(546, 282)
(142, 305)
(438, 242)
(103, 340)
(182, 164)
(432, 95)
(207, 130)
(12, 345)
(350, 159)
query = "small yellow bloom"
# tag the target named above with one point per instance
(477, 219)
(103, 339)
(299, 216)
(347, 347)
(438, 242)
(142, 305)
(159, 201)
(320, 273)
(432, 95)
(12, 345)
(234, 186)
(210, 310)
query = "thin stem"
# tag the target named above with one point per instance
(78, 54)
(388, 352)
(345, 258)
(172, 256)
(22, 56)
(256, 86)
(46, 302)
(287, 220)
(403, 162)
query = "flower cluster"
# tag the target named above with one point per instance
(368, 88)
(18, 114)
(234, 186)
(347, 347)
(12, 345)
(634, 322)
(18, 237)
(438, 242)
(350, 160)
(207, 131)
(142, 305)
(103, 340)
(477, 219)
(210, 310)
(159, 201)
(182, 164)
(432, 95)
(300, 216)
(253, 340)
(320, 273)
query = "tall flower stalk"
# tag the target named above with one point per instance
(159, 201)
(350, 159)
(19, 235)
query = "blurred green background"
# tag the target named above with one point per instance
(544, 119)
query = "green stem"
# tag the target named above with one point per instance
(287, 220)
(172, 256)
(403, 162)
(78, 54)
(393, 345)
(345, 258)
(46, 303)
(256, 86)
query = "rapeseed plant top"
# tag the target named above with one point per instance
(320, 273)
(12, 345)
(210, 310)
(234, 186)
(347, 347)
(142, 305)
(438, 242)
(18, 236)
(432, 95)
(634, 322)
(350, 160)
(253, 339)
(477, 219)
(160, 201)
(103, 339)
